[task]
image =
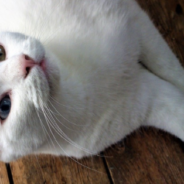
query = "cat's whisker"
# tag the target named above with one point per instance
(51, 112)
(59, 114)
(48, 123)
(56, 120)
(52, 122)
(47, 118)
(46, 132)
(68, 106)
(61, 133)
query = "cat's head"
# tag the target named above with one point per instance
(28, 76)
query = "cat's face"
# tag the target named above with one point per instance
(27, 78)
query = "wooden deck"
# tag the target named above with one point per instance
(148, 156)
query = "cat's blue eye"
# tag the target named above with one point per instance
(5, 106)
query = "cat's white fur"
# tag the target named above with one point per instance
(95, 91)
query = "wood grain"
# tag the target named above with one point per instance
(3, 174)
(148, 156)
(59, 170)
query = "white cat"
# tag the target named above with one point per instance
(74, 85)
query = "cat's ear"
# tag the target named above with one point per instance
(155, 53)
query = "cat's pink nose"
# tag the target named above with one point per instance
(27, 64)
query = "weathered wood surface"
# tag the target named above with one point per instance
(146, 157)
(3, 174)
(59, 170)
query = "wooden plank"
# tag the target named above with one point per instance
(147, 157)
(3, 174)
(153, 157)
(58, 170)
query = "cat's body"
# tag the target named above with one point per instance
(93, 91)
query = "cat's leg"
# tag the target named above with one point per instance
(155, 53)
(165, 107)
